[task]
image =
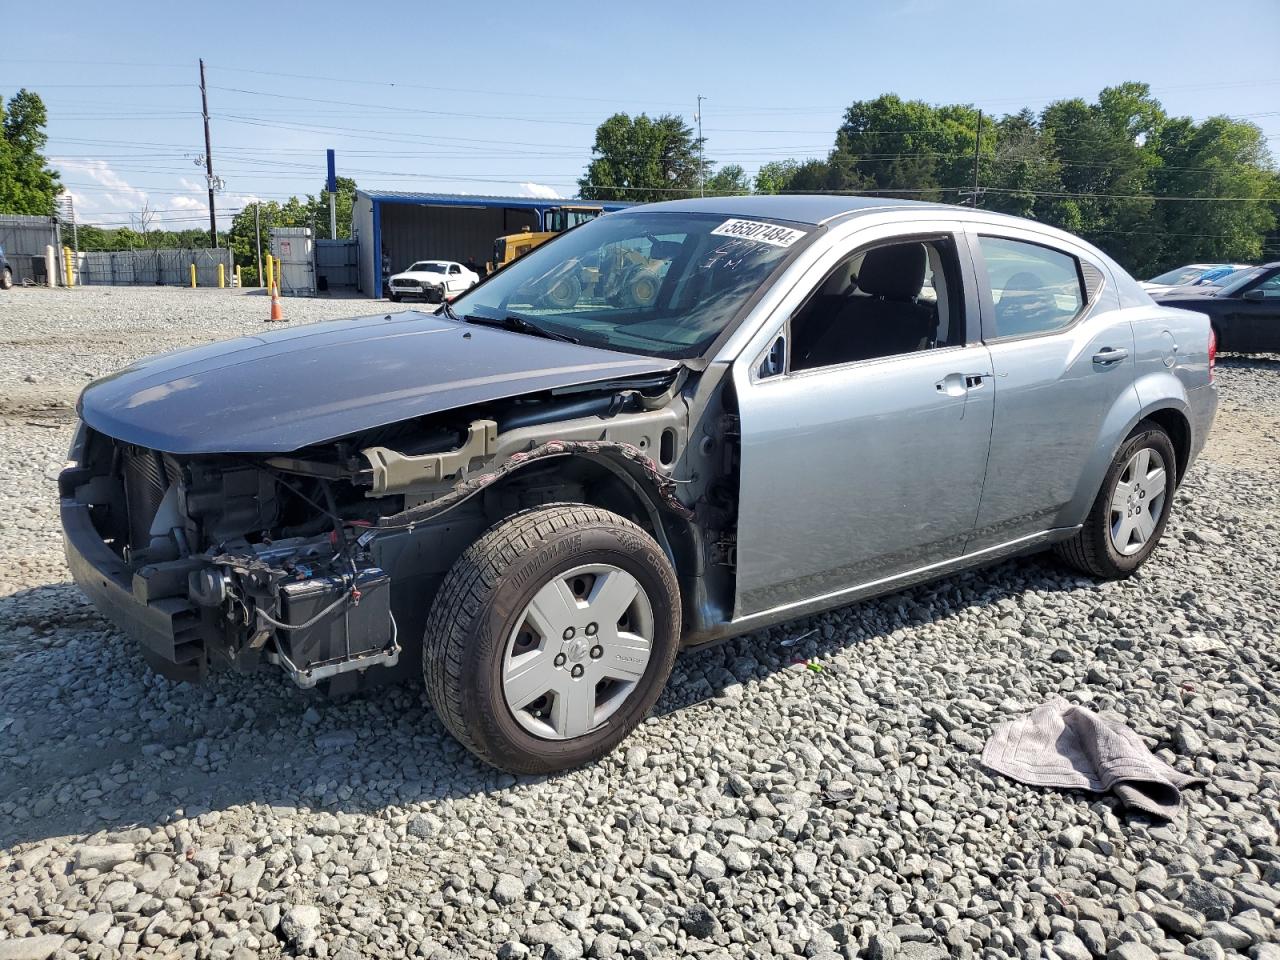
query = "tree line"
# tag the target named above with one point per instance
(1119, 171)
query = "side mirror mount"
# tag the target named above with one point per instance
(1253, 295)
(775, 361)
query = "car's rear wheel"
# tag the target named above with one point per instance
(1131, 510)
(551, 638)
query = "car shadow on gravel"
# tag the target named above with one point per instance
(91, 740)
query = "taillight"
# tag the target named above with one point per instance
(1213, 351)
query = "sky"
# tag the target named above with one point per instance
(499, 97)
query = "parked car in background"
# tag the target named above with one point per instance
(1244, 309)
(432, 280)
(6, 272)
(749, 410)
(1192, 275)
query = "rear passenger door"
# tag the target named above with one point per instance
(1060, 362)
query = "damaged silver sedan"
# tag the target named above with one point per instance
(672, 425)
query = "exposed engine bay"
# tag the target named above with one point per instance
(323, 561)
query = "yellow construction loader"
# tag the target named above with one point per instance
(557, 220)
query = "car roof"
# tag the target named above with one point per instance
(799, 208)
(443, 263)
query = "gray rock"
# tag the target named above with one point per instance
(31, 948)
(1070, 947)
(1175, 920)
(507, 889)
(425, 825)
(1230, 936)
(708, 866)
(1208, 898)
(245, 880)
(699, 921)
(103, 857)
(301, 926)
(1132, 951)
(883, 946)
(1206, 949)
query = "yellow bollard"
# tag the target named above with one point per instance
(271, 277)
(279, 273)
(71, 275)
(193, 276)
(222, 276)
(239, 280)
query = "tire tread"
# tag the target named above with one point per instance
(466, 589)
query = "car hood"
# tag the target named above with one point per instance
(293, 388)
(419, 275)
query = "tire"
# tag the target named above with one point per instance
(1093, 549)
(642, 286)
(482, 617)
(564, 292)
(6, 279)
(395, 298)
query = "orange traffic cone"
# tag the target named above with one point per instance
(276, 312)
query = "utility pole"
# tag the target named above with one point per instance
(977, 147)
(208, 158)
(257, 232)
(702, 167)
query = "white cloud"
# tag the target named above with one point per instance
(540, 190)
(110, 200)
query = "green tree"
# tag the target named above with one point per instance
(730, 180)
(27, 185)
(1108, 165)
(775, 176)
(642, 159)
(1220, 157)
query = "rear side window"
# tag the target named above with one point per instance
(1035, 289)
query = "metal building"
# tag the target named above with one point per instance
(25, 241)
(437, 226)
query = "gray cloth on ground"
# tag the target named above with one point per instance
(1061, 745)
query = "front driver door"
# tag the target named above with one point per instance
(859, 472)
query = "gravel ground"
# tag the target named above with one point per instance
(837, 813)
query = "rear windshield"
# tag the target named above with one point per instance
(661, 284)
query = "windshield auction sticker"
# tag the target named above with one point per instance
(769, 233)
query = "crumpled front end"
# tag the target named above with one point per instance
(201, 560)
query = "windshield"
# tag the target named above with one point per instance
(426, 266)
(1182, 275)
(661, 284)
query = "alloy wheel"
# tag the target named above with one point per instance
(1138, 501)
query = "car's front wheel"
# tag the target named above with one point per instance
(551, 637)
(6, 279)
(1131, 510)
(395, 298)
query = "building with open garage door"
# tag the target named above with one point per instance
(406, 227)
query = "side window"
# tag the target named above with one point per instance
(1270, 289)
(882, 301)
(454, 268)
(1035, 289)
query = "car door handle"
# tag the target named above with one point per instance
(957, 384)
(1108, 356)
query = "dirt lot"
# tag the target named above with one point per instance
(764, 810)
